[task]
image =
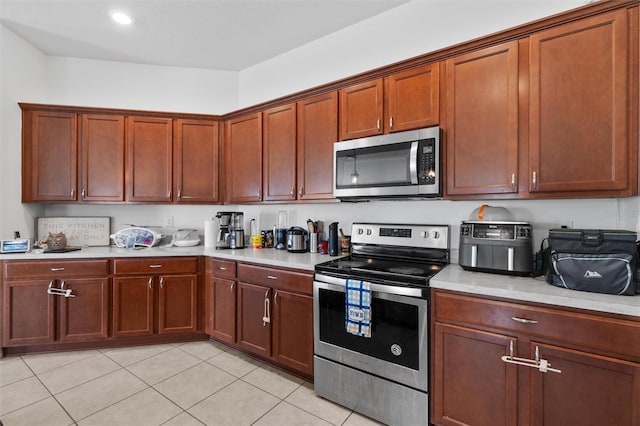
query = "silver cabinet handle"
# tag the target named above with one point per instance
(155, 266)
(513, 181)
(150, 282)
(66, 292)
(272, 277)
(293, 191)
(266, 317)
(222, 268)
(534, 180)
(169, 194)
(300, 190)
(275, 298)
(83, 193)
(59, 291)
(378, 124)
(56, 269)
(232, 285)
(161, 281)
(541, 365)
(390, 123)
(73, 193)
(258, 194)
(524, 320)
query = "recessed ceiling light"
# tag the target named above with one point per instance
(121, 18)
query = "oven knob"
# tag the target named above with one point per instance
(396, 349)
(424, 234)
(435, 235)
(360, 231)
(368, 231)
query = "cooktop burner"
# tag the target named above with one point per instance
(406, 270)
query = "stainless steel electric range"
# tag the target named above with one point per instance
(373, 357)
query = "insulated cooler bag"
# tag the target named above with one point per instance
(599, 261)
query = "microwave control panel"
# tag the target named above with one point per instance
(427, 162)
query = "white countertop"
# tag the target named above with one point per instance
(454, 278)
(273, 257)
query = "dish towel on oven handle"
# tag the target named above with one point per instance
(358, 308)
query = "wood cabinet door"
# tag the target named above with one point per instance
(589, 390)
(317, 127)
(102, 157)
(243, 159)
(578, 135)
(178, 304)
(50, 153)
(28, 313)
(413, 98)
(471, 383)
(482, 121)
(222, 301)
(149, 159)
(133, 306)
(293, 331)
(279, 153)
(361, 109)
(85, 316)
(254, 318)
(196, 166)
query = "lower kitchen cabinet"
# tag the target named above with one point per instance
(155, 296)
(478, 378)
(275, 316)
(46, 302)
(221, 300)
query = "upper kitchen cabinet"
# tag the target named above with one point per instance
(149, 155)
(403, 101)
(49, 155)
(279, 153)
(482, 121)
(195, 157)
(243, 159)
(317, 127)
(413, 98)
(361, 110)
(582, 89)
(102, 139)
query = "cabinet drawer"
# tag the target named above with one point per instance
(55, 268)
(156, 265)
(276, 278)
(597, 332)
(223, 268)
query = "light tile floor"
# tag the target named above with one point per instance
(198, 383)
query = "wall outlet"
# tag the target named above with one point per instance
(168, 221)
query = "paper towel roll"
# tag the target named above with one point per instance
(209, 233)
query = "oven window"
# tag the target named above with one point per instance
(386, 165)
(393, 323)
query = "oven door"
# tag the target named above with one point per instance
(398, 347)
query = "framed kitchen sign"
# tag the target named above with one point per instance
(80, 231)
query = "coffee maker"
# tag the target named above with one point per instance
(236, 237)
(230, 230)
(224, 225)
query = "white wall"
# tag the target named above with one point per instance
(87, 82)
(22, 72)
(402, 33)
(30, 76)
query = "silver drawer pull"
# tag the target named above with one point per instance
(155, 266)
(272, 277)
(57, 269)
(524, 320)
(222, 268)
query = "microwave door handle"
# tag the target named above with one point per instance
(413, 162)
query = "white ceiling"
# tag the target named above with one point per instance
(215, 34)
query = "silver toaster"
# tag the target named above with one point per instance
(496, 247)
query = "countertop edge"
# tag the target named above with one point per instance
(535, 290)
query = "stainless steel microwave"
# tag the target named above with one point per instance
(397, 165)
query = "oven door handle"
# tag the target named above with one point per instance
(340, 284)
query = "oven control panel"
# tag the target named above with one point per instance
(427, 236)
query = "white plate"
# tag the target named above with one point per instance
(186, 243)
